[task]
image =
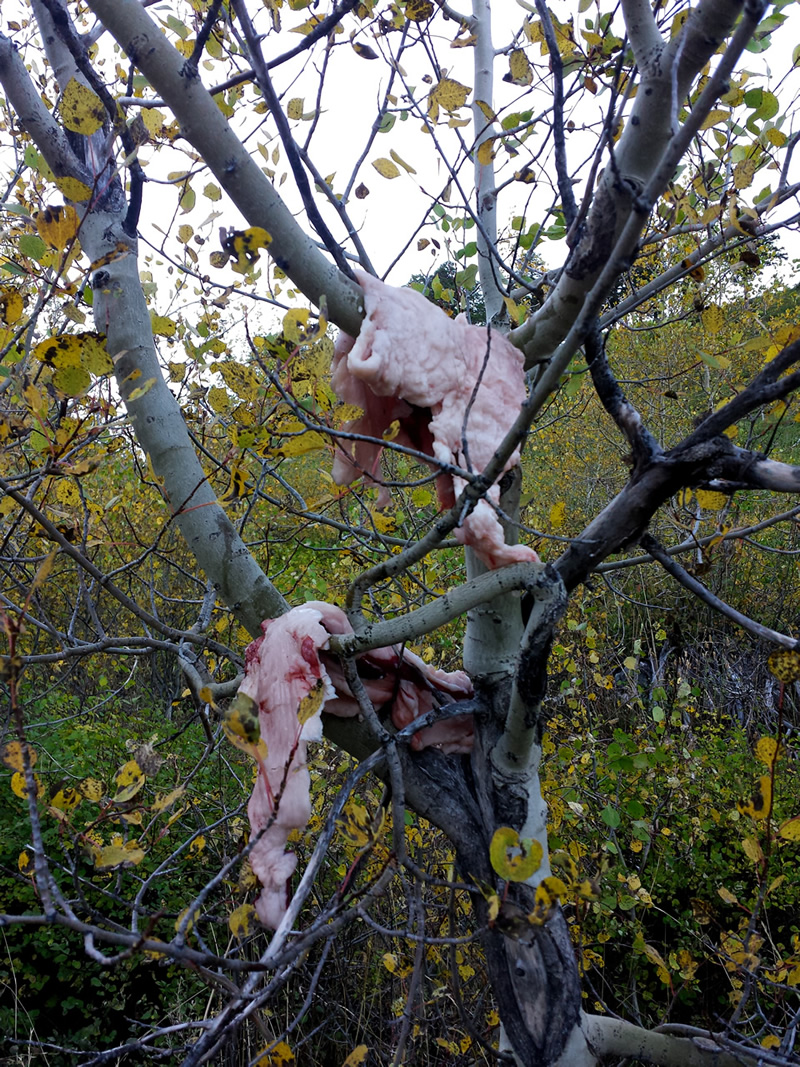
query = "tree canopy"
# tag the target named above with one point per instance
(449, 357)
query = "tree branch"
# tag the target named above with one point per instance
(264, 83)
(671, 566)
(48, 135)
(485, 185)
(644, 447)
(646, 41)
(615, 1038)
(643, 163)
(204, 126)
(440, 611)
(568, 206)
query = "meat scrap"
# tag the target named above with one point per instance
(413, 365)
(284, 666)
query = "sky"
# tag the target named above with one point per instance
(387, 212)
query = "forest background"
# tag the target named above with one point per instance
(168, 428)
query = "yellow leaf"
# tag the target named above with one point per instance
(752, 849)
(385, 168)
(129, 779)
(140, 391)
(488, 114)
(771, 1041)
(416, 11)
(294, 108)
(713, 318)
(241, 719)
(244, 247)
(312, 703)
(389, 961)
(279, 1055)
(555, 887)
(82, 111)
(162, 325)
(57, 225)
(242, 921)
(11, 755)
(515, 860)
(71, 381)
(91, 789)
(72, 189)
(790, 829)
(515, 312)
(237, 486)
(486, 151)
(166, 800)
(177, 814)
(713, 117)
(197, 846)
(310, 441)
(563, 31)
(744, 172)
(118, 853)
(19, 788)
(403, 164)
(727, 896)
(240, 379)
(447, 94)
(218, 400)
(94, 353)
(710, 500)
(348, 413)
(355, 824)
(785, 665)
(44, 570)
(359, 1054)
(697, 274)
(557, 514)
(364, 50)
(655, 957)
(153, 120)
(494, 907)
(12, 304)
(25, 864)
(384, 523)
(767, 750)
(520, 71)
(182, 920)
(66, 799)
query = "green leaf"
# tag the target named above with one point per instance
(610, 817)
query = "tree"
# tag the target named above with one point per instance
(661, 183)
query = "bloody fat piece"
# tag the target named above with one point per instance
(444, 382)
(281, 668)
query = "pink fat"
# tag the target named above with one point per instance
(281, 668)
(413, 364)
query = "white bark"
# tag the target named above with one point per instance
(609, 1037)
(486, 200)
(121, 312)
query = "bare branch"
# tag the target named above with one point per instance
(203, 124)
(671, 566)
